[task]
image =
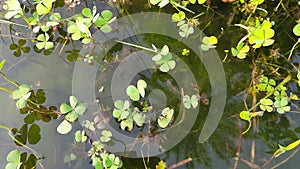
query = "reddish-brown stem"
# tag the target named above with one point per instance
(180, 163)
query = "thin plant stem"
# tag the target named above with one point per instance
(136, 46)
(5, 89)
(5, 127)
(8, 80)
(292, 50)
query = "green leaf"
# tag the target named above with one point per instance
(106, 136)
(80, 136)
(14, 156)
(87, 12)
(106, 28)
(296, 30)
(44, 7)
(107, 14)
(127, 124)
(139, 119)
(64, 128)
(133, 93)
(80, 109)
(154, 2)
(178, 16)
(201, 1)
(165, 117)
(64, 108)
(72, 116)
(245, 115)
(73, 101)
(141, 86)
(97, 163)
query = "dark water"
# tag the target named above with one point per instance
(54, 74)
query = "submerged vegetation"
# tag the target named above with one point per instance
(261, 35)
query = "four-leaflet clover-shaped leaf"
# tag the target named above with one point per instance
(72, 111)
(261, 34)
(281, 102)
(266, 105)
(185, 29)
(189, 102)
(266, 84)
(19, 48)
(22, 94)
(106, 136)
(240, 51)
(165, 117)
(163, 58)
(43, 42)
(32, 135)
(209, 43)
(121, 110)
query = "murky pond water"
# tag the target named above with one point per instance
(106, 80)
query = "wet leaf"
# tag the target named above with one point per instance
(64, 128)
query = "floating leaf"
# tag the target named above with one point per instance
(208, 43)
(121, 111)
(296, 30)
(240, 51)
(44, 7)
(106, 136)
(141, 86)
(178, 16)
(139, 119)
(80, 136)
(266, 105)
(189, 102)
(65, 108)
(165, 117)
(127, 124)
(13, 158)
(64, 128)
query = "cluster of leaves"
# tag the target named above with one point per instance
(16, 159)
(71, 111)
(42, 21)
(122, 110)
(100, 157)
(127, 116)
(185, 27)
(163, 58)
(259, 35)
(276, 99)
(79, 27)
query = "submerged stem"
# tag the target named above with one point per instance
(8, 80)
(136, 46)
